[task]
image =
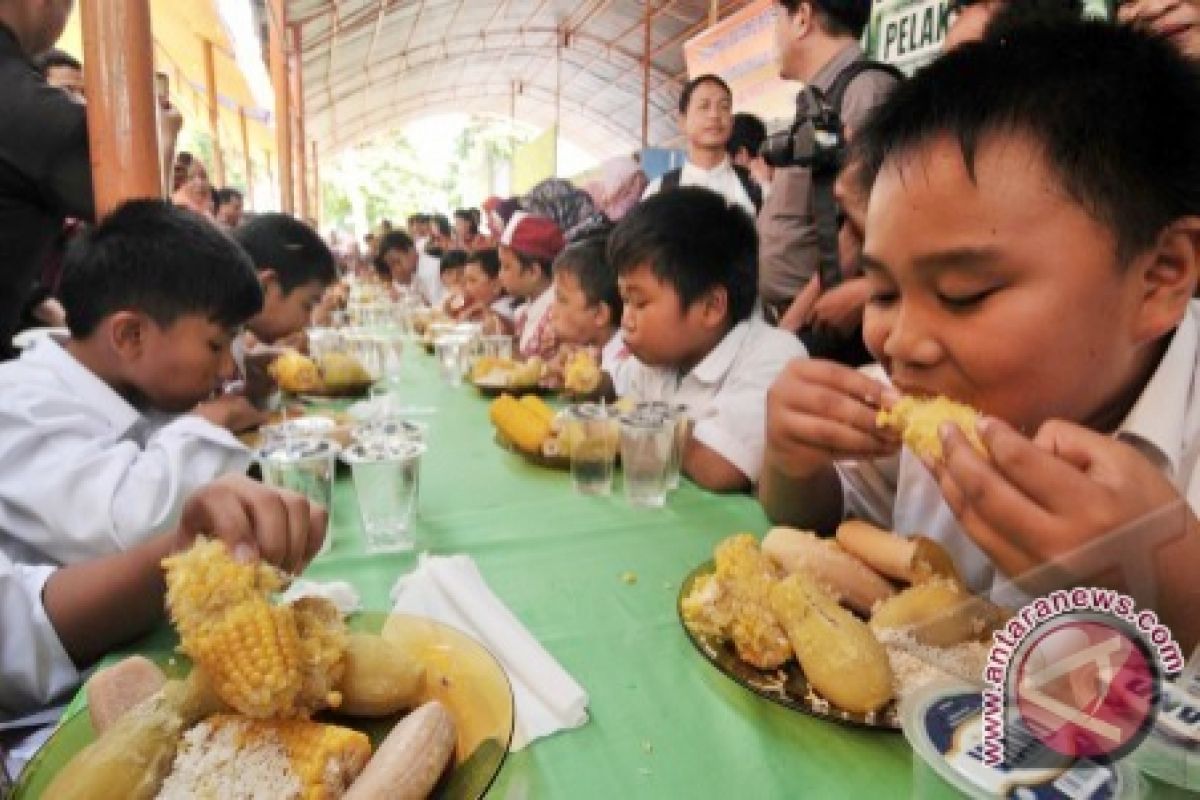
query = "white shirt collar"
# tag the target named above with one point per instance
(81, 382)
(714, 366)
(1158, 417)
(700, 173)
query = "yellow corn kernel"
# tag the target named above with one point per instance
(518, 424)
(263, 660)
(319, 762)
(918, 421)
(538, 407)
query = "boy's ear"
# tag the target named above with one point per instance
(127, 334)
(714, 307)
(1168, 275)
(603, 315)
(269, 279)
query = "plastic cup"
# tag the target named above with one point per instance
(496, 346)
(303, 465)
(593, 434)
(322, 341)
(453, 353)
(386, 480)
(647, 440)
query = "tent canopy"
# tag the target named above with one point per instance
(374, 65)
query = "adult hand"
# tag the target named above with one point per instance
(840, 310)
(1177, 21)
(255, 521)
(819, 412)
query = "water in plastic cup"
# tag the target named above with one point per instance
(303, 465)
(386, 478)
(647, 439)
(497, 346)
(593, 435)
(453, 352)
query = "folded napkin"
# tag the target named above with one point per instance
(450, 589)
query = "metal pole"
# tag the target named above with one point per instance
(301, 138)
(247, 162)
(316, 173)
(714, 12)
(283, 113)
(122, 108)
(646, 80)
(214, 111)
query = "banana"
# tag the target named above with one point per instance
(940, 613)
(844, 576)
(410, 760)
(840, 656)
(913, 559)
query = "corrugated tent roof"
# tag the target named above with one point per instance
(374, 65)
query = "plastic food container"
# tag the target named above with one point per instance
(1171, 752)
(944, 724)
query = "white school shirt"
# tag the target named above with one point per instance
(533, 313)
(726, 393)
(82, 472)
(721, 179)
(1164, 425)
(36, 674)
(428, 279)
(618, 362)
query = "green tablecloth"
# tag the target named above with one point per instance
(664, 723)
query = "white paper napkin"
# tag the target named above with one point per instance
(450, 589)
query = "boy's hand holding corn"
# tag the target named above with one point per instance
(255, 521)
(819, 412)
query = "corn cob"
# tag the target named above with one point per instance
(582, 374)
(519, 424)
(288, 759)
(538, 407)
(748, 576)
(131, 758)
(295, 372)
(918, 421)
(263, 660)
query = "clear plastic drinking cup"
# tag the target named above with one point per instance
(386, 477)
(304, 465)
(496, 346)
(647, 439)
(453, 354)
(593, 436)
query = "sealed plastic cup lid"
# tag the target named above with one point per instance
(1171, 751)
(299, 450)
(381, 451)
(944, 724)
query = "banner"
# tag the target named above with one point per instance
(535, 161)
(907, 33)
(741, 49)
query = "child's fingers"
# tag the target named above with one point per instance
(838, 439)
(216, 511)
(269, 518)
(318, 529)
(1052, 483)
(982, 531)
(298, 534)
(979, 491)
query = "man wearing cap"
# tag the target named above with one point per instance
(817, 41)
(527, 252)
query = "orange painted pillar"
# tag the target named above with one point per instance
(301, 138)
(316, 173)
(214, 112)
(122, 107)
(283, 112)
(646, 77)
(247, 162)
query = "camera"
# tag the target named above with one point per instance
(814, 140)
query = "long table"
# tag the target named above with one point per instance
(664, 723)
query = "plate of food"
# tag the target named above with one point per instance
(531, 428)
(371, 707)
(841, 629)
(494, 376)
(335, 375)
